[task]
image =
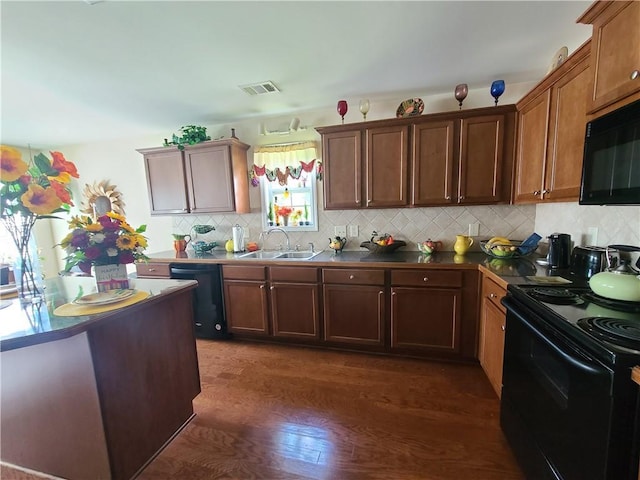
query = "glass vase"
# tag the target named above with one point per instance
(26, 268)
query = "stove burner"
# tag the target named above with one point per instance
(558, 296)
(618, 331)
(621, 305)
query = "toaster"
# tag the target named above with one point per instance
(587, 261)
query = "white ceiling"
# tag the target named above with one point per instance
(73, 72)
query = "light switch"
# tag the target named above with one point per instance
(340, 230)
(474, 229)
(353, 231)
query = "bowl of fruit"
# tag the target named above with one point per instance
(500, 247)
(381, 244)
(429, 246)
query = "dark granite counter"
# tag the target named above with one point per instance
(35, 323)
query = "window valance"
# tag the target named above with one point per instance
(279, 162)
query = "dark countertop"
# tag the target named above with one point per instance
(504, 271)
(35, 323)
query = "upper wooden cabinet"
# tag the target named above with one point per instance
(438, 159)
(615, 52)
(209, 177)
(551, 132)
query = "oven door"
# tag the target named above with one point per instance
(556, 401)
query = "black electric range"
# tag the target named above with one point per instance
(569, 406)
(610, 329)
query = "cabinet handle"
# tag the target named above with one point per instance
(460, 198)
(536, 192)
(635, 74)
(502, 327)
(152, 269)
(545, 191)
(448, 197)
(425, 279)
(273, 288)
(492, 295)
(262, 286)
(351, 277)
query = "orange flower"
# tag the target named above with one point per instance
(62, 193)
(62, 165)
(12, 165)
(39, 200)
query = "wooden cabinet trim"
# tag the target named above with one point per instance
(294, 274)
(243, 272)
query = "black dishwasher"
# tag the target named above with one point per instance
(208, 307)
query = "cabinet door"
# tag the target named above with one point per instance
(245, 304)
(166, 182)
(342, 167)
(210, 179)
(432, 163)
(566, 134)
(295, 310)
(386, 166)
(532, 148)
(354, 314)
(492, 343)
(426, 319)
(615, 53)
(481, 157)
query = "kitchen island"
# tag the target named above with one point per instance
(96, 396)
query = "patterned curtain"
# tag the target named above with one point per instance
(281, 162)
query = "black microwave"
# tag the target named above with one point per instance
(611, 165)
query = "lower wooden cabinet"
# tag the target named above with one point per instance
(492, 330)
(426, 307)
(245, 299)
(354, 306)
(295, 295)
(153, 270)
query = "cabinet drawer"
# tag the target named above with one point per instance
(355, 277)
(159, 270)
(493, 292)
(426, 278)
(293, 274)
(233, 272)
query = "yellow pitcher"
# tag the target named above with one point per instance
(463, 242)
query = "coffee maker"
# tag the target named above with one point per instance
(559, 254)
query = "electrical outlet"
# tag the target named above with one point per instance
(353, 231)
(340, 231)
(474, 229)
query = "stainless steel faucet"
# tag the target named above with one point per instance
(277, 229)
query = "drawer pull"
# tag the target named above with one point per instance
(351, 277)
(492, 295)
(152, 269)
(425, 279)
(536, 192)
(635, 74)
(502, 327)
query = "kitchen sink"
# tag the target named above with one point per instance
(270, 255)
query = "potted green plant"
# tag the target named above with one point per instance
(191, 134)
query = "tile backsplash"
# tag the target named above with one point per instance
(409, 224)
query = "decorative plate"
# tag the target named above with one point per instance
(558, 59)
(104, 298)
(410, 108)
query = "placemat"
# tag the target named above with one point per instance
(74, 310)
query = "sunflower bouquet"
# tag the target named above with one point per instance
(107, 240)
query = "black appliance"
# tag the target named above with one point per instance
(559, 255)
(568, 405)
(611, 163)
(208, 307)
(589, 260)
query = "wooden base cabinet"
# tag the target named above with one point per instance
(295, 295)
(245, 299)
(354, 306)
(492, 330)
(426, 308)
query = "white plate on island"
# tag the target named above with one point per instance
(104, 298)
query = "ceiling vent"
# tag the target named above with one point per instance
(259, 88)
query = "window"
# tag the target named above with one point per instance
(288, 179)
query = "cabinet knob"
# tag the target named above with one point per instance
(425, 279)
(536, 192)
(152, 269)
(262, 287)
(545, 191)
(492, 295)
(351, 277)
(502, 327)
(448, 197)
(635, 74)
(273, 288)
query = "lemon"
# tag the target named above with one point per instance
(229, 246)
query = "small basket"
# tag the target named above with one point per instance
(383, 249)
(513, 250)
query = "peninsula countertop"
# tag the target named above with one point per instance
(25, 325)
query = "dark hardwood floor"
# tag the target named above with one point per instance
(280, 412)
